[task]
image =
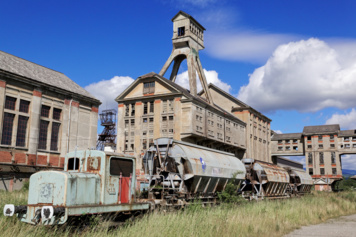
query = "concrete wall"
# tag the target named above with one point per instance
(78, 124)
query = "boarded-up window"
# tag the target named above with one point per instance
(149, 87)
(121, 166)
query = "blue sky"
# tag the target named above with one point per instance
(293, 60)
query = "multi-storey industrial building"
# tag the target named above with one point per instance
(153, 106)
(322, 147)
(43, 115)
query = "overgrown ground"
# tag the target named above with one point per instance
(265, 218)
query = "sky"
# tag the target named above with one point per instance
(295, 61)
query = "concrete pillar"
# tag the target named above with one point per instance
(65, 125)
(2, 103)
(35, 116)
(93, 133)
(120, 137)
(73, 129)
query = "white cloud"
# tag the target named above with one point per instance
(348, 162)
(107, 90)
(278, 131)
(306, 76)
(346, 121)
(244, 45)
(211, 77)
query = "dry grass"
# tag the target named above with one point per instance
(266, 218)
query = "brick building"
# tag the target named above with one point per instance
(43, 115)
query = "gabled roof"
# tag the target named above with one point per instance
(179, 90)
(285, 136)
(37, 73)
(188, 16)
(242, 105)
(321, 129)
(347, 133)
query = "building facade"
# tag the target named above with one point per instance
(153, 106)
(43, 115)
(322, 146)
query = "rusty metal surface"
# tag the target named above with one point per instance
(273, 172)
(305, 178)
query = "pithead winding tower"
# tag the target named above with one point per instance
(188, 39)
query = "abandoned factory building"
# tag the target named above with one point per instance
(322, 146)
(43, 115)
(153, 106)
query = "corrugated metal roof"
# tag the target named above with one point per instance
(30, 70)
(347, 133)
(321, 129)
(285, 136)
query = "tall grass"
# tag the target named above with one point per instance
(272, 218)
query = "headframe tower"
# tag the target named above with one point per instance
(188, 39)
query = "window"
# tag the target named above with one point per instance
(57, 114)
(122, 167)
(144, 144)
(287, 148)
(152, 107)
(310, 158)
(151, 120)
(73, 163)
(148, 87)
(280, 148)
(21, 131)
(280, 141)
(164, 118)
(24, 105)
(310, 171)
(321, 146)
(144, 120)
(7, 129)
(332, 145)
(54, 136)
(132, 109)
(309, 138)
(321, 158)
(346, 139)
(320, 137)
(309, 146)
(42, 143)
(333, 160)
(145, 108)
(45, 111)
(171, 118)
(322, 171)
(331, 137)
(132, 122)
(295, 141)
(181, 31)
(295, 148)
(287, 141)
(127, 110)
(10, 103)
(334, 171)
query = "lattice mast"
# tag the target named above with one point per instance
(108, 135)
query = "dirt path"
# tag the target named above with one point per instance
(342, 226)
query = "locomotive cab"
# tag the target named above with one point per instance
(92, 182)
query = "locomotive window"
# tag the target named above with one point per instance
(71, 164)
(121, 166)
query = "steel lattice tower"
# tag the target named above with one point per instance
(108, 135)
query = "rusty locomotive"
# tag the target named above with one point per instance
(176, 173)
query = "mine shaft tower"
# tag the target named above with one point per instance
(108, 135)
(188, 39)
